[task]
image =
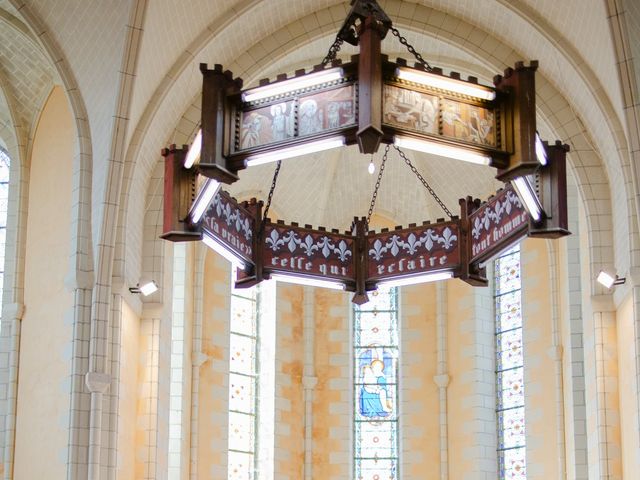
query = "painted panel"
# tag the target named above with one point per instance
(303, 251)
(273, 123)
(469, 123)
(328, 110)
(230, 224)
(415, 250)
(410, 109)
(497, 224)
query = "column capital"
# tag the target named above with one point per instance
(199, 358)
(13, 311)
(97, 382)
(441, 380)
(309, 383)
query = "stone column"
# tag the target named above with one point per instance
(442, 377)
(602, 400)
(309, 379)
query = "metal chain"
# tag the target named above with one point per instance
(375, 190)
(271, 190)
(424, 182)
(412, 50)
(333, 51)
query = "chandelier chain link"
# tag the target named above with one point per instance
(377, 187)
(412, 50)
(424, 182)
(333, 51)
(271, 190)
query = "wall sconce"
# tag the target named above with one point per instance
(609, 281)
(146, 289)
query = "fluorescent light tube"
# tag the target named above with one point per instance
(292, 84)
(541, 152)
(148, 288)
(415, 279)
(528, 196)
(605, 279)
(204, 198)
(441, 150)
(223, 250)
(193, 155)
(309, 282)
(444, 83)
(298, 150)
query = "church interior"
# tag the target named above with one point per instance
(535, 375)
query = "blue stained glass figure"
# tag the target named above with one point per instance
(375, 399)
(375, 340)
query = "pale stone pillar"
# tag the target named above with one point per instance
(309, 379)
(471, 390)
(576, 445)
(442, 378)
(601, 378)
(149, 457)
(10, 351)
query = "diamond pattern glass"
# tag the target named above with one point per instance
(243, 316)
(243, 371)
(510, 367)
(242, 393)
(513, 464)
(375, 350)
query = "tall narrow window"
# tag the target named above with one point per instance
(510, 367)
(243, 384)
(375, 359)
(4, 200)
(252, 383)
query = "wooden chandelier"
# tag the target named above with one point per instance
(369, 101)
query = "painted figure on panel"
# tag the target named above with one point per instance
(326, 110)
(310, 117)
(468, 122)
(375, 399)
(264, 125)
(253, 130)
(410, 109)
(280, 123)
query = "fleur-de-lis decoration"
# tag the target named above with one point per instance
(377, 250)
(227, 215)
(477, 228)
(238, 221)
(498, 212)
(248, 233)
(427, 239)
(219, 205)
(412, 244)
(487, 219)
(274, 240)
(394, 243)
(343, 251)
(326, 246)
(514, 199)
(308, 245)
(292, 240)
(448, 238)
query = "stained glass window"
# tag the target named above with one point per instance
(4, 201)
(510, 367)
(243, 384)
(375, 350)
